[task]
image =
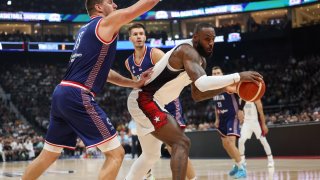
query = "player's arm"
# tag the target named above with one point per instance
(261, 115)
(111, 24)
(191, 63)
(156, 55)
(197, 95)
(126, 63)
(119, 80)
(216, 123)
(240, 113)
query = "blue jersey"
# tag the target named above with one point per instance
(74, 112)
(145, 63)
(227, 106)
(91, 58)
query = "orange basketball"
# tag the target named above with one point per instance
(250, 91)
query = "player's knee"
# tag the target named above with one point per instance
(116, 155)
(184, 143)
(228, 142)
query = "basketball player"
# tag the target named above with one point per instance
(179, 67)
(227, 124)
(74, 111)
(142, 59)
(254, 122)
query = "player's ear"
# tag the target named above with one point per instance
(98, 7)
(195, 37)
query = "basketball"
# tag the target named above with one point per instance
(250, 91)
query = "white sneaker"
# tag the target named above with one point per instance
(270, 163)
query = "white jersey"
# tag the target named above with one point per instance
(166, 83)
(250, 113)
(164, 86)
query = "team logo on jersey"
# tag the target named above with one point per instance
(156, 119)
(140, 69)
(222, 111)
(219, 98)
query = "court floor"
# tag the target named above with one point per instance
(211, 169)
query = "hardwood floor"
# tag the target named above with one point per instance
(211, 169)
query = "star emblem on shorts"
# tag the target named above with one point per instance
(157, 119)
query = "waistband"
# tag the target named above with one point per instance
(77, 85)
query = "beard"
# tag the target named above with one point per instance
(202, 51)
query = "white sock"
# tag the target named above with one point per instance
(151, 152)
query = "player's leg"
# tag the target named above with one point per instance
(59, 135)
(151, 153)
(263, 140)
(232, 131)
(229, 143)
(246, 133)
(191, 174)
(94, 128)
(114, 153)
(175, 109)
(171, 134)
(267, 149)
(40, 164)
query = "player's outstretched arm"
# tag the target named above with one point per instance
(198, 96)
(203, 86)
(119, 80)
(115, 20)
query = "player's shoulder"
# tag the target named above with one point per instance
(156, 50)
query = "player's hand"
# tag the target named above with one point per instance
(240, 115)
(231, 88)
(250, 76)
(145, 76)
(265, 129)
(216, 124)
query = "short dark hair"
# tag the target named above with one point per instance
(136, 25)
(202, 25)
(216, 67)
(90, 5)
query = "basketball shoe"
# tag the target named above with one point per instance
(241, 173)
(234, 170)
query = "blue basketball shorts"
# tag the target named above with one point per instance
(175, 109)
(74, 113)
(229, 126)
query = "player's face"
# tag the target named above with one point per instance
(138, 37)
(108, 6)
(205, 41)
(217, 72)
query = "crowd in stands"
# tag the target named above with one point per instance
(77, 6)
(223, 29)
(291, 97)
(18, 140)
